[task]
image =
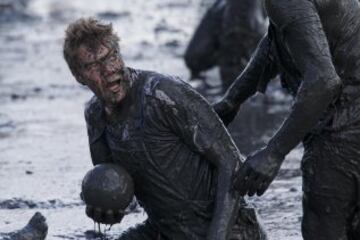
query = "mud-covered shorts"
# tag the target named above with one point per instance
(331, 176)
(247, 227)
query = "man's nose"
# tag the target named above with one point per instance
(111, 67)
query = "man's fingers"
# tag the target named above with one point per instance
(239, 176)
(255, 184)
(109, 217)
(246, 184)
(241, 179)
(98, 215)
(106, 217)
(264, 185)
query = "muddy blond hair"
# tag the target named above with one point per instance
(87, 31)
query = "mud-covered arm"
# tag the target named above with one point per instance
(259, 71)
(99, 150)
(306, 41)
(203, 49)
(191, 118)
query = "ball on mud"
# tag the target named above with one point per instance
(108, 186)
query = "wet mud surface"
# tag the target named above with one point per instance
(43, 144)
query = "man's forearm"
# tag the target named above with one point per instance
(226, 202)
(100, 152)
(260, 68)
(226, 209)
(311, 103)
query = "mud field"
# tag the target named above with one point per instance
(43, 142)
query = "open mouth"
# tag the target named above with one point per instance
(114, 85)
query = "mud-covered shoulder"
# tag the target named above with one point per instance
(284, 13)
(93, 110)
(169, 90)
(93, 113)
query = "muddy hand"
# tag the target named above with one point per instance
(226, 111)
(257, 173)
(104, 216)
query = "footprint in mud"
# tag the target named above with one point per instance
(6, 126)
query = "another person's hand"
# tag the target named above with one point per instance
(226, 111)
(257, 172)
(104, 216)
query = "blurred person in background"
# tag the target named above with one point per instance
(226, 37)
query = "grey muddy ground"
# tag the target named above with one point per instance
(43, 142)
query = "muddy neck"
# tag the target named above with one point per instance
(114, 112)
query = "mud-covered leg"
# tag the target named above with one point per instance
(202, 51)
(242, 28)
(330, 187)
(325, 218)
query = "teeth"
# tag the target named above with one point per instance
(115, 88)
(113, 78)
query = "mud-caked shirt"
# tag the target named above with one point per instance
(160, 139)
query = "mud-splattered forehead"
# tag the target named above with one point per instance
(89, 32)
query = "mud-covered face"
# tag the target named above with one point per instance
(103, 71)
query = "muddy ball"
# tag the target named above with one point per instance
(108, 186)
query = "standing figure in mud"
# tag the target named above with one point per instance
(226, 37)
(167, 137)
(315, 47)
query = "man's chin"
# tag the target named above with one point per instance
(117, 99)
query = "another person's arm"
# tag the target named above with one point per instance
(255, 76)
(307, 43)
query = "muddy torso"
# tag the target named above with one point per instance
(173, 182)
(341, 22)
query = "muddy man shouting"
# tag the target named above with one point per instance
(168, 138)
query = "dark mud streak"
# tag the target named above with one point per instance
(18, 203)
